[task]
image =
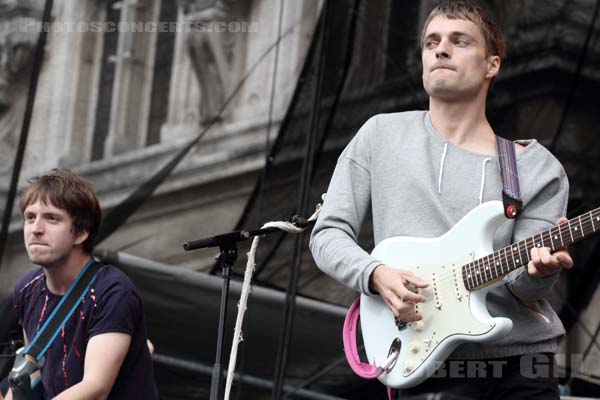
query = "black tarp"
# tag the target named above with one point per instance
(182, 309)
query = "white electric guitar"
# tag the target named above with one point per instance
(460, 268)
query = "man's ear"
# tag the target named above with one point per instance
(82, 237)
(493, 66)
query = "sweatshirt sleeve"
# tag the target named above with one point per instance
(334, 239)
(539, 214)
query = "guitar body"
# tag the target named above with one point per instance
(451, 314)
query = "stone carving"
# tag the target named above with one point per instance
(18, 36)
(212, 52)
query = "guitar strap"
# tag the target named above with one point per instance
(24, 366)
(511, 192)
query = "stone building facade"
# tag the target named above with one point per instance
(126, 84)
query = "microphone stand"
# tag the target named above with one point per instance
(227, 243)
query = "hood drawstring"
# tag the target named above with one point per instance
(442, 163)
(442, 167)
(483, 179)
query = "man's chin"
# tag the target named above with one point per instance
(446, 92)
(46, 262)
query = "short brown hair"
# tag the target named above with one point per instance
(494, 40)
(70, 192)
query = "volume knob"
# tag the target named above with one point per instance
(414, 347)
(418, 326)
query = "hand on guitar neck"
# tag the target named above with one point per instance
(398, 288)
(543, 263)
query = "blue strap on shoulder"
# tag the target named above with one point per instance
(61, 313)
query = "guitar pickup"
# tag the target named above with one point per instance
(436, 295)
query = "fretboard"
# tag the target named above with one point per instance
(493, 266)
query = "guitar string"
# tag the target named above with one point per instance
(489, 262)
(446, 278)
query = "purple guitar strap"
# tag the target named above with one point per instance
(511, 193)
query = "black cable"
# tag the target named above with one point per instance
(593, 340)
(38, 61)
(263, 177)
(321, 372)
(585, 328)
(290, 298)
(345, 73)
(250, 203)
(119, 215)
(576, 78)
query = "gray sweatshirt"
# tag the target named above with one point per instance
(418, 184)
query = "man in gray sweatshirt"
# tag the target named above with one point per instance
(420, 172)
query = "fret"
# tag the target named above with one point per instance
(546, 243)
(554, 237)
(488, 271)
(562, 242)
(470, 274)
(586, 223)
(478, 272)
(495, 263)
(522, 250)
(506, 261)
(581, 227)
(592, 219)
(499, 262)
(543, 244)
(512, 256)
(519, 258)
(527, 250)
(540, 243)
(577, 233)
(488, 267)
(483, 271)
(552, 246)
(570, 231)
(469, 277)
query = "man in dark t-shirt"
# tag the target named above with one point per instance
(101, 352)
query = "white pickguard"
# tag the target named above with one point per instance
(451, 314)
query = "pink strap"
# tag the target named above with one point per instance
(361, 369)
(390, 392)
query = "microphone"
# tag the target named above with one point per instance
(216, 241)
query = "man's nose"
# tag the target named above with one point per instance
(37, 226)
(443, 49)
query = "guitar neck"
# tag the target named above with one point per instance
(482, 271)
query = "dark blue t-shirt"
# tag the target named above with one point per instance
(111, 304)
